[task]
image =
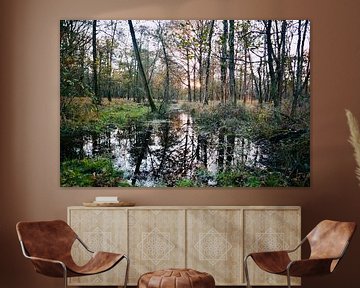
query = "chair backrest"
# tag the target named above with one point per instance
(329, 239)
(46, 239)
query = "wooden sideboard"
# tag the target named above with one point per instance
(212, 239)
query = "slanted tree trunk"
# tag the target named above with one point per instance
(141, 68)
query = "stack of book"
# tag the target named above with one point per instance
(106, 199)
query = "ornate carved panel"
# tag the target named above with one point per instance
(270, 229)
(214, 241)
(156, 240)
(101, 230)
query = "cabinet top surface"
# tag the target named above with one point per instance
(192, 207)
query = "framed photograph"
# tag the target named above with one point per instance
(185, 103)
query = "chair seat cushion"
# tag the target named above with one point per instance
(176, 278)
(272, 262)
(99, 262)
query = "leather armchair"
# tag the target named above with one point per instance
(48, 245)
(328, 242)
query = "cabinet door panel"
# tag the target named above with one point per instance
(214, 244)
(100, 230)
(156, 240)
(269, 230)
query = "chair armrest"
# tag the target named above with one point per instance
(45, 260)
(280, 251)
(309, 267)
(48, 267)
(268, 253)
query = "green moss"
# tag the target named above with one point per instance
(185, 183)
(94, 172)
(122, 115)
(86, 118)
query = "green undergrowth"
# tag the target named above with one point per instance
(285, 141)
(213, 118)
(86, 118)
(244, 178)
(91, 172)
(238, 177)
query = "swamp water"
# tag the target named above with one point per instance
(166, 152)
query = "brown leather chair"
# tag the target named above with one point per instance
(48, 245)
(328, 242)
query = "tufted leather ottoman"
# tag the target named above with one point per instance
(176, 278)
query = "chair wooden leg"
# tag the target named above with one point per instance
(246, 270)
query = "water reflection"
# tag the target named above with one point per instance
(162, 152)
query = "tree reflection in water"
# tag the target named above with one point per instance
(162, 152)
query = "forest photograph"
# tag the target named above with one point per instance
(185, 103)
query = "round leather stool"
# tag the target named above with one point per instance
(176, 278)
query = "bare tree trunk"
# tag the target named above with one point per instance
(188, 74)
(206, 98)
(270, 54)
(261, 99)
(245, 88)
(110, 59)
(281, 68)
(200, 73)
(299, 67)
(141, 68)
(256, 82)
(167, 79)
(97, 98)
(232, 62)
(273, 81)
(194, 81)
(224, 60)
